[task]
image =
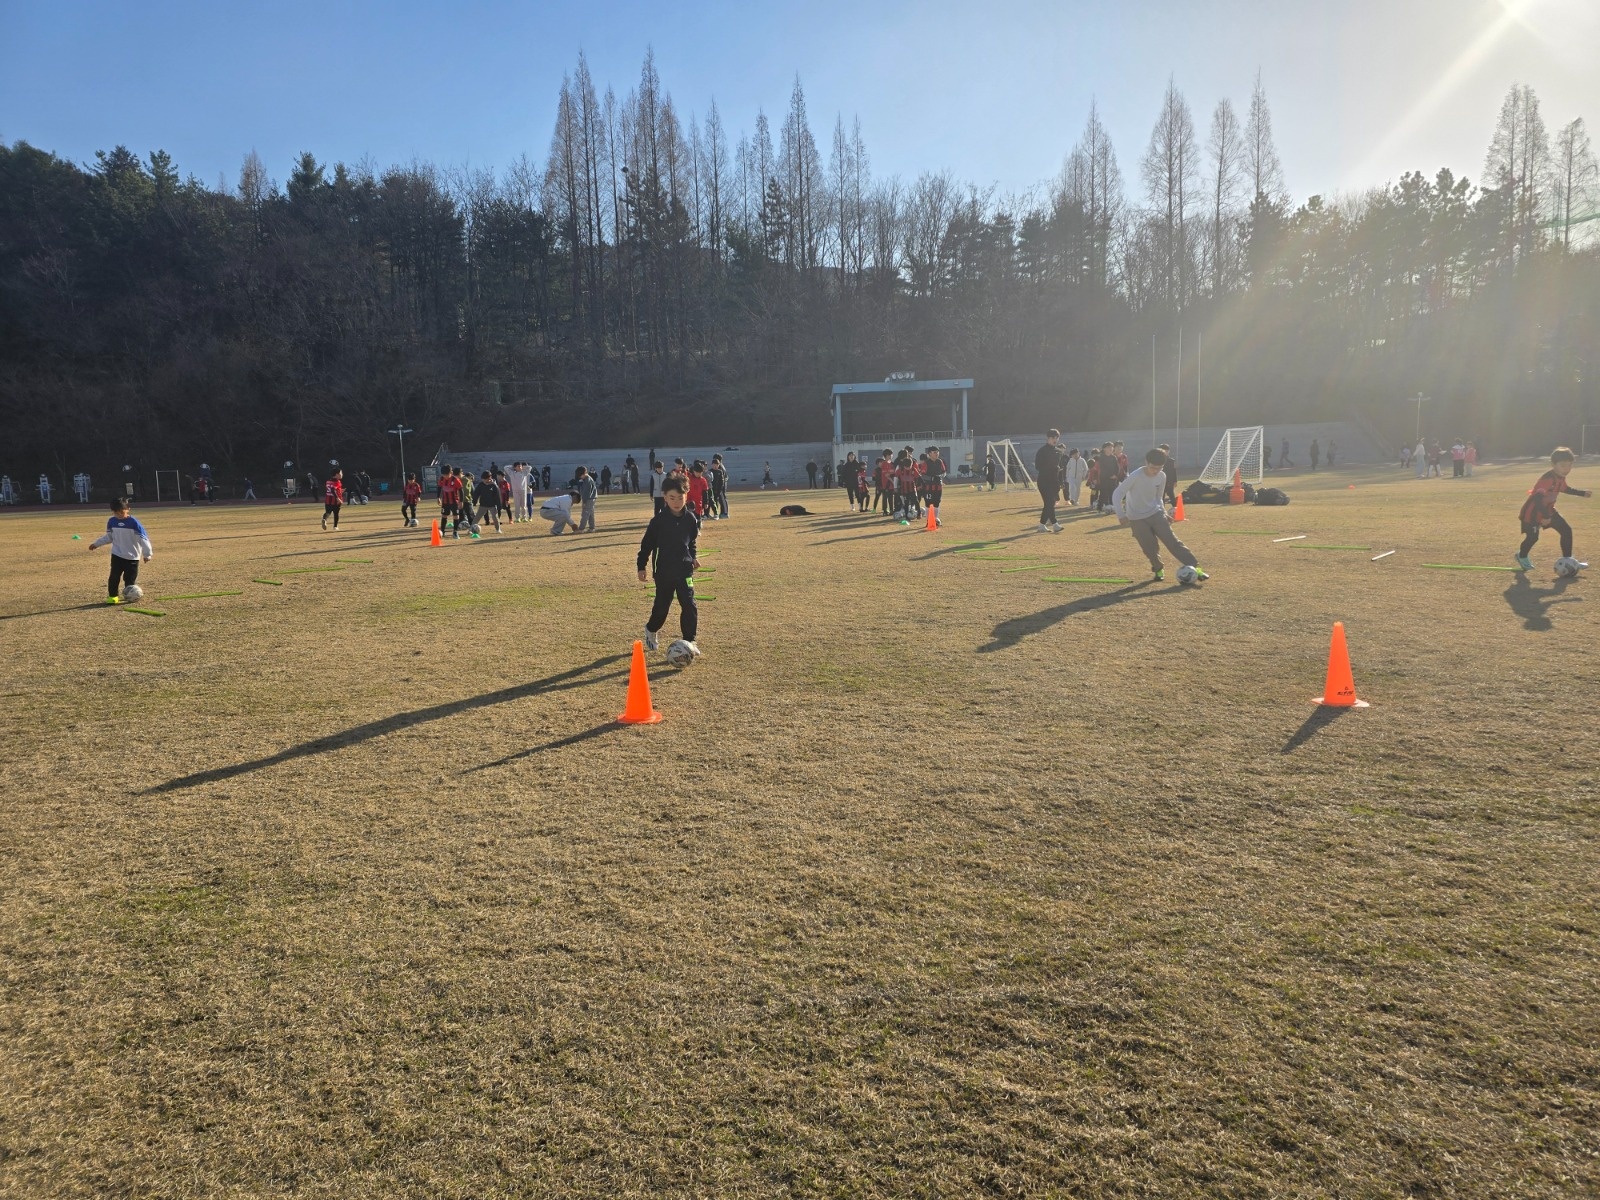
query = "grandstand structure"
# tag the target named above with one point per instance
(869, 418)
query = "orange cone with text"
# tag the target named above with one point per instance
(638, 710)
(1236, 492)
(1340, 689)
(933, 520)
(1177, 509)
(436, 540)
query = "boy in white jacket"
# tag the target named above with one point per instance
(130, 545)
(1076, 472)
(1140, 501)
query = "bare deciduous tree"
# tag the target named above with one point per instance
(1225, 162)
(1574, 179)
(1171, 176)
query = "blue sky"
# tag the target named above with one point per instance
(997, 91)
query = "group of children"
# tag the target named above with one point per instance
(669, 553)
(903, 488)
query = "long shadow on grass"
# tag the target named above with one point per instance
(897, 531)
(1320, 718)
(44, 612)
(570, 740)
(962, 546)
(1531, 603)
(1009, 633)
(562, 681)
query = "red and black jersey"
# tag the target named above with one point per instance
(505, 491)
(1540, 505)
(333, 492)
(449, 489)
(885, 470)
(412, 492)
(697, 493)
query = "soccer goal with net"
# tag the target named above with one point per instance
(1239, 450)
(1010, 471)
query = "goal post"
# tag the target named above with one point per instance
(169, 486)
(1239, 450)
(1010, 468)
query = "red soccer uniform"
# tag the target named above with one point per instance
(697, 493)
(505, 492)
(449, 490)
(412, 492)
(1540, 505)
(333, 493)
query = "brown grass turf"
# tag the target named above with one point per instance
(938, 879)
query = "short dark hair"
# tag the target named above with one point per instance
(674, 483)
(1053, 433)
(121, 504)
(575, 494)
(1562, 454)
(580, 472)
(1155, 457)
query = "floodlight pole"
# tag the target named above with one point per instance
(1177, 412)
(402, 434)
(1419, 400)
(1152, 389)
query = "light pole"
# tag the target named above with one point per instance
(1419, 400)
(401, 431)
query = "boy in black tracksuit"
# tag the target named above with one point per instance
(670, 538)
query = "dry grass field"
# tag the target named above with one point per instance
(939, 878)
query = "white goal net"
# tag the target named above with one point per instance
(1239, 450)
(1010, 471)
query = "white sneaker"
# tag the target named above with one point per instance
(694, 649)
(651, 640)
(1043, 528)
(1056, 528)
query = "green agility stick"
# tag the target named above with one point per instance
(368, 561)
(149, 612)
(1035, 567)
(269, 582)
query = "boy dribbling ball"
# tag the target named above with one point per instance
(130, 545)
(670, 540)
(1140, 502)
(1539, 510)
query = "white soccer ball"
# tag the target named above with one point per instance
(133, 593)
(1567, 567)
(682, 653)
(1188, 575)
(474, 528)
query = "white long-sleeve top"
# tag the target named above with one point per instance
(1140, 494)
(1077, 470)
(126, 537)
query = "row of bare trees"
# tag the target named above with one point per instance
(654, 274)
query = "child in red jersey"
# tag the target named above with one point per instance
(409, 495)
(699, 484)
(333, 498)
(450, 500)
(1539, 510)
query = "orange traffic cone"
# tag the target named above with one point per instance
(638, 710)
(933, 520)
(1340, 690)
(1177, 509)
(1236, 492)
(436, 540)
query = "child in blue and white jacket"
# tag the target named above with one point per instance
(130, 545)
